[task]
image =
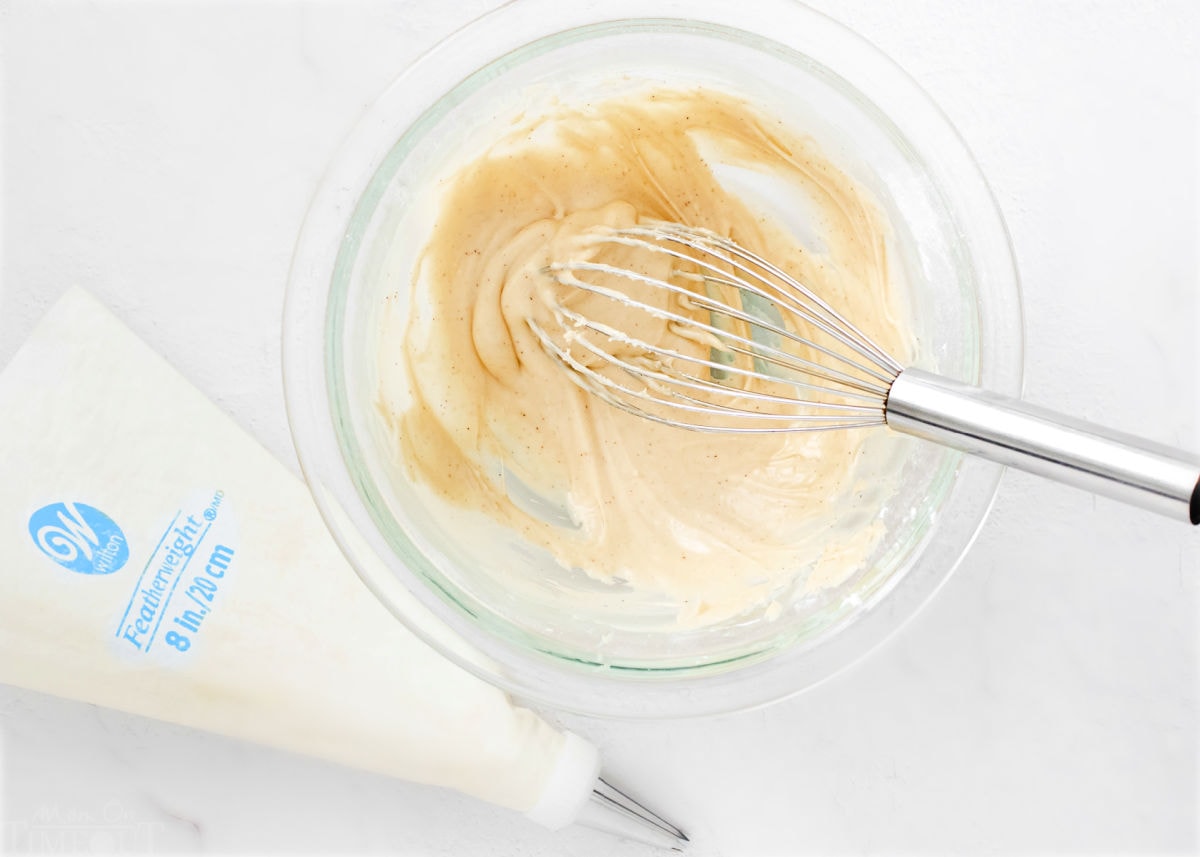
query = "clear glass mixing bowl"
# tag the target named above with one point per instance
(373, 212)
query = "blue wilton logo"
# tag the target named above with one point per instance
(79, 537)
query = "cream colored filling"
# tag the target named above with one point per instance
(720, 524)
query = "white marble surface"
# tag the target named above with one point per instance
(162, 155)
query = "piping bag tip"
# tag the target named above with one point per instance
(613, 811)
(576, 792)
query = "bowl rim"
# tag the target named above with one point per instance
(311, 418)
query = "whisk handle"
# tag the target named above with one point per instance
(1046, 443)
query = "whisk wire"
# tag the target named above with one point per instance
(808, 343)
(578, 321)
(728, 339)
(781, 297)
(760, 327)
(604, 388)
(683, 379)
(697, 239)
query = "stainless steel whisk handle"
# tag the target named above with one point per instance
(1041, 441)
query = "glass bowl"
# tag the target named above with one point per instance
(555, 637)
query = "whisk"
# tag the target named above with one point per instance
(775, 357)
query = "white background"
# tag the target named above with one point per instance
(162, 157)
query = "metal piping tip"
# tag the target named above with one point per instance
(615, 812)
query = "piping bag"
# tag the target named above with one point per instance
(159, 561)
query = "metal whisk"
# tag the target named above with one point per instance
(769, 355)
